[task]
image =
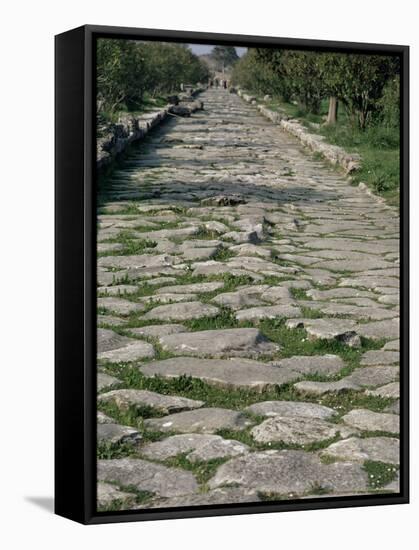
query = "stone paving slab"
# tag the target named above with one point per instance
(343, 330)
(120, 306)
(290, 473)
(379, 357)
(181, 312)
(240, 342)
(268, 312)
(294, 430)
(133, 351)
(196, 447)
(115, 433)
(319, 388)
(225, 373)
(200, 420)
(391, 390)
(155, 331)
(147, 476)
(381, 449)
(105, 381)
(108, 494)
(380, 329)
(372, 421)
(290, 408)
(326, 365)
(167, 404)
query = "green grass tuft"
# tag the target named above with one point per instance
(380, 474)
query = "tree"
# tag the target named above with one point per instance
(255, 75)
(127, 70)
(358, 81)
(224, 56)
(299, 72)
(332, 114)
(120, 73)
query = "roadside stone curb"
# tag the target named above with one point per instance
(131, 128)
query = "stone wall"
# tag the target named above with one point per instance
(315, 142)
(115, 138)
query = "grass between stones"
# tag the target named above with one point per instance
(299, 294)
(202, 470)
(380, 474)
(138, 498)
(228, 398)
(131, 245)
(244, 436)
(106, 450)
(223, 254)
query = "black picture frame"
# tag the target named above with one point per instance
(75, 275)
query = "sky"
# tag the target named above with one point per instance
(200, 49)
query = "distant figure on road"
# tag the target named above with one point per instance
(225, 84)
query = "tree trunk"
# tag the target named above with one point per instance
(332, 115)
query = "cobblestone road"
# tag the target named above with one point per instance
(248, 322)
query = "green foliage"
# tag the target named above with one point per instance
(255, 76)
(120, 67)
(389, 103)
(224, 56)
(367, 85)
(379, 148)
(305, 82)
(107, 450)
(201, 469)
(358, 81)
(128, 70)
(380, 474)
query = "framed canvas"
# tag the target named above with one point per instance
(231, 274)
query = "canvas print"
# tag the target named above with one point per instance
(248, 274)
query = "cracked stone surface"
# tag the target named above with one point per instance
(265, 294)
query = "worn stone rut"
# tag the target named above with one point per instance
(248, 320)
